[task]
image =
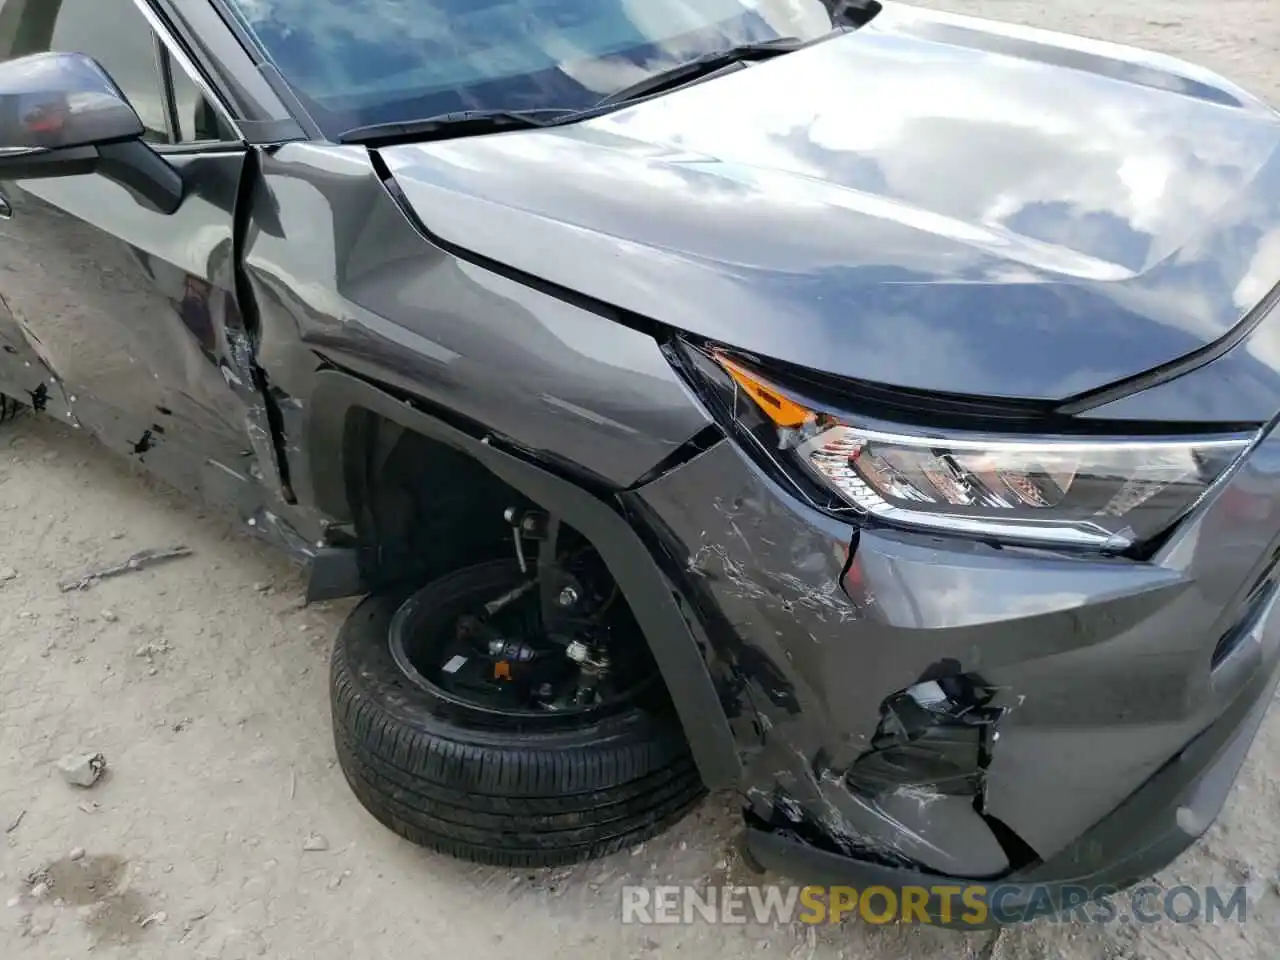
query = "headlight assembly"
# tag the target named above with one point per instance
(1101, 493)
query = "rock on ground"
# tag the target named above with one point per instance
(82, 769)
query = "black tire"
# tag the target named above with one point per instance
(529, 796)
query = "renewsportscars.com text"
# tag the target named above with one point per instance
(975, 905)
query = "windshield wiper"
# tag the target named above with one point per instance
(691, 70)
(461, 123)
(464, 123)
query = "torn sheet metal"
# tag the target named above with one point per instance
(935, 735)
(866, 750)
(25, 375)
(272, 526)
(914, 797)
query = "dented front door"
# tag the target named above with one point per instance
(134, 311)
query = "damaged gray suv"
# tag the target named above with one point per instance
(866, 410)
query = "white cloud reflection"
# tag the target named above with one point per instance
(886, 158)
(346, 47)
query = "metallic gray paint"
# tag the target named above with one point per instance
(56, 101)
(1103, 665)
(883, 188)
(934, 202)
(560, 381)
(135, 313)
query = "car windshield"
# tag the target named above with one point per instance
(359, 62)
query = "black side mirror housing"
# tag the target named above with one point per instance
(62, 115)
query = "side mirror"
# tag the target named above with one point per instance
(62, 115)
(59, 101)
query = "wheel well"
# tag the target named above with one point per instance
(420, 507)
(421, 496)
(426, 510)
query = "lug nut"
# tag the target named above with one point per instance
(568, 597)
(577, 651)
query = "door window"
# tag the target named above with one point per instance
(198, 121)
(115, 34)
(118, 36)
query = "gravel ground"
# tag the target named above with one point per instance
(204, 684)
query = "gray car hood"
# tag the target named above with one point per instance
(932, 201)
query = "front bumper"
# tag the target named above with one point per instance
(917, 710)
(1140, 837)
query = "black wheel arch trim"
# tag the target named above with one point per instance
(324, 483)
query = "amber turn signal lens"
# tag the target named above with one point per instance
(778, 408)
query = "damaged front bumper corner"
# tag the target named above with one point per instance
(1142, 836)
(916, 710)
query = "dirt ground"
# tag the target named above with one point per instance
(204, 684)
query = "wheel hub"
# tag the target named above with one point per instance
(542, 642)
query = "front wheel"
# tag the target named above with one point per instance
(443, 742)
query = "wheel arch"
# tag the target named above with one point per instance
(332, 484)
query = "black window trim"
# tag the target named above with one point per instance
(233, 65)
(168, 94)
(306, 124)
(168, 52)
